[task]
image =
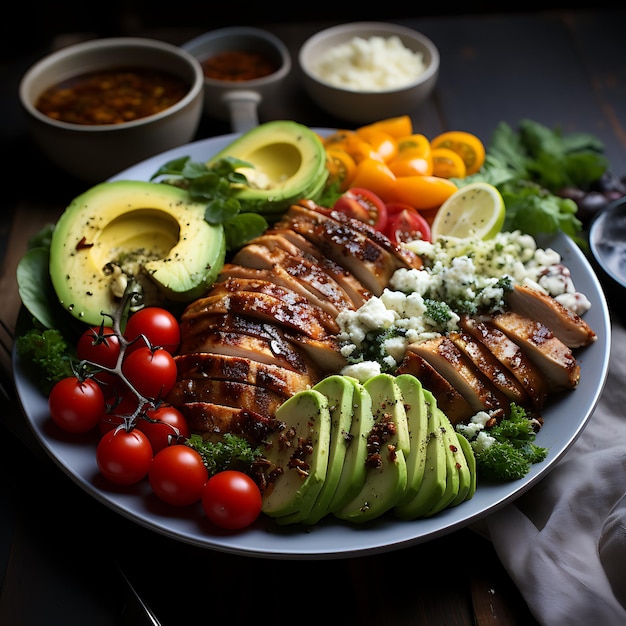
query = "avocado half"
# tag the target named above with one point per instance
(132, 228)
(288, 163)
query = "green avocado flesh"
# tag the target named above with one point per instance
(288, 163)
(423, 466)
(143, 229)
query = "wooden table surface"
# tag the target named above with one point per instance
(562, 68)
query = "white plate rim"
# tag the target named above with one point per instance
(564, 420)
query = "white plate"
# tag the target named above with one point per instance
(607, 240)
(565, 418)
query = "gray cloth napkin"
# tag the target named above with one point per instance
(564, 541)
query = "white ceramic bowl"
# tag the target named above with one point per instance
(241, 101)
(93, 153)
(365, 105)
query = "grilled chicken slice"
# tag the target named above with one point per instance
(450, 362)
(492, 369)
(310, 279)
(449, 400)
(308, 251)
(543, 348)
(568, 326)
(226, 392)
(281, 380)
(300, 316)
(213, 421)
(240, 344)
(323, 352)
(511, 356)
(407, 256)
(358, 253)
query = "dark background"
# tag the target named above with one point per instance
(32, 27)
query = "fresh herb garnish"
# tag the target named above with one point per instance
(216, 185)
(231, 452)
(531, 166)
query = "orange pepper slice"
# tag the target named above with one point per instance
(470, 148)
(397, 127)
(448, 163)
(422, 192)
(376, 176)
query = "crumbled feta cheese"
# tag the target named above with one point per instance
(362, 371)
(458, 276)
(374, 64)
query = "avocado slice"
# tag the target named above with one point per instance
(470, 458)
(340, 393)
(434, 483)
(298, 456)
(147, 230)
(354, 469)
(417, 417)
(386, 481)
(288, 163)
(453, 480)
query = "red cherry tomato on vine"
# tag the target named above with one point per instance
(162, 425)
(99, 345)
(363, 205)
(124, 456)
(76, 406)
(177, 475)
(158, 325)
(405, 224)
(231, 499)
(151, 372)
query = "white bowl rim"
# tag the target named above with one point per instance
(102, 44)
(392, 29)
(249, 31)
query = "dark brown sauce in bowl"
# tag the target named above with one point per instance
(112, 96)
(238, 65)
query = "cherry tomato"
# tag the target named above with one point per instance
(158, 325)
(405, 224)
(363, 205)
(382, 143)
(117, 408)
(376, 176)
(468, 146)
(151, 372)
(350, 142)
(415, 144)
(164, 425)
(412, 164)
(448, 164)
(231, 500)
(99, 345)
(177, 475)
(124, 456)
(341, 168)
(422, 192)
(76, 406)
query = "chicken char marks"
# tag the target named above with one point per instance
(267, 328)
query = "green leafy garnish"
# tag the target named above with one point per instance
(507, 450)
(216, 185)
(231, 452)
(531, 166)
(50, 353)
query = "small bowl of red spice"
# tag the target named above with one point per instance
(243, 69)
(99, 106)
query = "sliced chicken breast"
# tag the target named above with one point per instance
(543, 348)
(568, 326)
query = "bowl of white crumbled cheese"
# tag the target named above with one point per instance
(362, 72)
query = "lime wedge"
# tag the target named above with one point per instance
(476, 210)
